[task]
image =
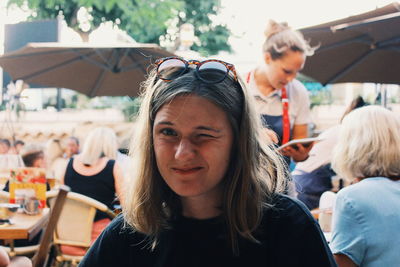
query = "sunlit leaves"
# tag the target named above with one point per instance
(147, 21)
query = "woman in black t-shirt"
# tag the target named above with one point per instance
(207, 186)
(94, 172)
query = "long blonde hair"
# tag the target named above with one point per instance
(368, 144)
(255, 174)
(100, 142)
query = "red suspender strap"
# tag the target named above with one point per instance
(285, 111)
(285, 117)
(248, 77)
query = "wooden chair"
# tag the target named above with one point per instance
(74, 229)
(41, 257)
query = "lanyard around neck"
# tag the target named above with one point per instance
(285, 112)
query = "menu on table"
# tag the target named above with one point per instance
(28, 183)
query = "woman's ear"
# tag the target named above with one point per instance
(267, 58)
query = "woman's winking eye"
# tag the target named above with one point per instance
(205, 135)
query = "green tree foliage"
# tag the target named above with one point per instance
(212, 37)
(145, 20)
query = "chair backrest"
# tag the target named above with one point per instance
(76, 221)
(41, 256)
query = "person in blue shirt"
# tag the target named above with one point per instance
(366, 217)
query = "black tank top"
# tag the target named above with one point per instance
(100, 186)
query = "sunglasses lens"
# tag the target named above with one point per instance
(212, 72)
(171, 68)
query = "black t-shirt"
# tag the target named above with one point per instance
(288, 235)
(100, 186)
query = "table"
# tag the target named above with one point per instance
(24, 226)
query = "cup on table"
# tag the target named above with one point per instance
(50, 178)
(20, 195)
(31, 206)
(52, 182)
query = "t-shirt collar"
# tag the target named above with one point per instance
(255, 91)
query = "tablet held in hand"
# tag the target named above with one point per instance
(304, 141)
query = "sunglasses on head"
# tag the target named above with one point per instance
(208, 71)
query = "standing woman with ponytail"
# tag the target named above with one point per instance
(281, 100)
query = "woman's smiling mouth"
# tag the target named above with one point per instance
(187, 170)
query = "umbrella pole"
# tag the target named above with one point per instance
(383, 95)
(59, 105)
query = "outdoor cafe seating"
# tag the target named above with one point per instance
(74, 234)
(23, 226)
(24, 250)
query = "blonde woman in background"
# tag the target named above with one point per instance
(94, 172)
(281, 100)
(56, 163)
(366, 218)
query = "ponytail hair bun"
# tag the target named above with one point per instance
(274, 27)
(280, 38)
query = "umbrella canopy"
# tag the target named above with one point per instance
(93, 70)
(362, 48)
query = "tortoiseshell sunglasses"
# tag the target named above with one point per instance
(208, 71)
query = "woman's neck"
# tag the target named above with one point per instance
(201, 207)
(262, 82)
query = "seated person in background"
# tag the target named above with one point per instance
(366, 217)
(56, 163)
(18, 146)
(4, 146)
(313, 176)
(95, 173)
(71, 147)
(32, 156)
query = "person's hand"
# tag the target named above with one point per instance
(272, 135)
(297, 152)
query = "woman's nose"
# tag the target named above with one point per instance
(185, 150)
